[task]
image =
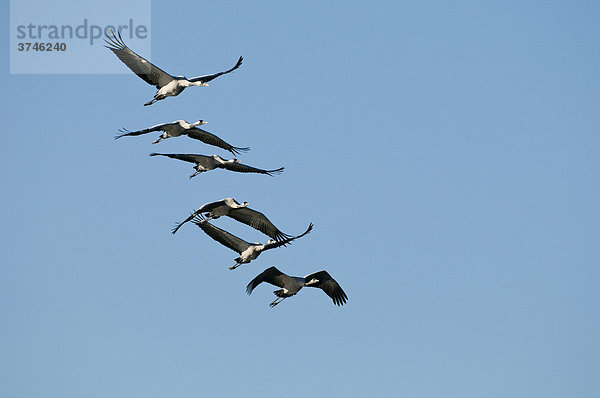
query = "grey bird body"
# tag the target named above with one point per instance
(181, 127)
(205, 163)
(291, 285)
(238, 211)
(167, 85)
(247, 251)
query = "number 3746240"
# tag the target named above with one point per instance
(42, 46)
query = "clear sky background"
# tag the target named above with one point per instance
(447, 153)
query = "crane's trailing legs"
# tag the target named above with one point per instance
(276, 301)
(199, 169)
(235, 266)
(196, 173)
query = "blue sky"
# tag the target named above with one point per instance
(446, 153)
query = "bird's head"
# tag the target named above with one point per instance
(311, 282)
(198, 123)
(199, 83)
(245, 204)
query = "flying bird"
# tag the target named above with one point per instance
(290, 285)
(167, 85)
(181, 127)
(247, 251)
(206, 163)
(238, 211)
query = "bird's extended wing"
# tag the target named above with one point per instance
(126, 133)
(205, 208)
(270, 275)
(194, 214)
(211, 139)
(329, 286)
(150, 73)
(186, 157)
(259, 221)
(272, 245)
(243, 168)
(223, 237)
(208, 78)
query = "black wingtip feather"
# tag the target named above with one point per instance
(176, 227)
(123, 132)
(281, 236)
(192, 216)
(276, 171)
(237, 150)
(198, 219)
